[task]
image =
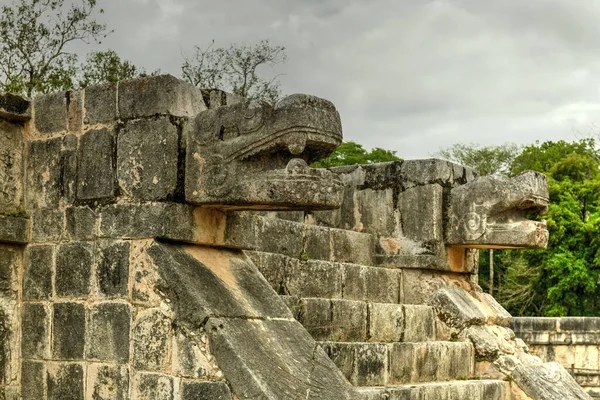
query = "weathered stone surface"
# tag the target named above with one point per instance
(419, 322)
(386, 322)
(112, 269)
(376, 211)
(205, 391)
(421, 211)
(316, 317)
(428, 171)
(317, 243)
(11, 166)
(100, 103)
(191, 357)
(371, 283)
(371, 365)
(349, 320)
(152, 386)
(68, 331)
(14, 108)
(315, 279)
(548, 382)
(159, 95)
(37, 272)
(42, 173)
(65, 382)
(32, 380)
(457, 308)
(108, 332)
(197, 276)
(230, 158)
(492, 211)
(75, 110)
(352, 247)
(496, 314)
(281, 237)
(296, 368)
(51, 112)
(47, 225)
(81, 223)
(74, 269)
(14, 229)
(147, 154)
(96, 171)
(9, 271)
(35, 331)
(106, 382)
(151, 340)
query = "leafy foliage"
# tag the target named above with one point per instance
(485, 160)
(349, 153)
(235, 69)
(107, 66)
(34, 40)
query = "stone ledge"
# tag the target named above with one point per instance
(14, 108)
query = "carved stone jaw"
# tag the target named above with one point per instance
(492, 212)
(250, 155)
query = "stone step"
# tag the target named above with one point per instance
(452, 390)
(383, 364)
(358, 321)
(327, 279)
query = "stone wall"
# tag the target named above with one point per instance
(573, 342)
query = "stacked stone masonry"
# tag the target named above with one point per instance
(158, 241)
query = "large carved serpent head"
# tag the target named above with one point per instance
(493, 212)
(247, 154)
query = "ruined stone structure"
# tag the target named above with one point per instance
(162, 242)
(573, 342)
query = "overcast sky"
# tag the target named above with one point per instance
(405, 75)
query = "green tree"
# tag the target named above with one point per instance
(349, 153)
(485, 160)
(236, 69)
(107, 66)
(34, 40)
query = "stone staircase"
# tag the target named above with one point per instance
(388, 350)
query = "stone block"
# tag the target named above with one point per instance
(151, 341)
(9, 271)
(496, 314)
(9, 393)
(274, 268)
(11, 167)
(68, 181)
(375, 209)
(65, 381)
(9, 340)
(47, 225)
(586, 357)
(371, 364)
(14, 107)
(32, 380)
(14, 229)
(96, 170)
(421, 211)
(101, 103)
(316, 317)
(386, 322)
(147, 159)
(152, 386)
(43, 173)
(35, 331)
(349, 319)
(281, 237)
(419, 323)
(112, 269)
(428, 171)
(108, 332)
(107, 382)
(317, 243)
(343, 354)
(280, 360)
(205, 391)
(457, 308)
(132, 221)
(352, 247)
(37, 272)
(371, 283)
(68, 332)
(81, 223)
(75, 111)
(191, 357)
(159, 95)
(315, 279)
(577, 324)
(51, 112)
(73, 269)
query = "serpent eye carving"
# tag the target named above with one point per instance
(206, 127)
(475, 225)
(252, 117)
